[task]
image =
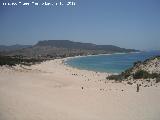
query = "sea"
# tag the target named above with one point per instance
(110, 63)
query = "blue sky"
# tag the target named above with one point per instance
(125, 23)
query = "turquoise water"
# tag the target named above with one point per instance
(114, 63)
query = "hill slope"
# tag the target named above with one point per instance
(65, 48)
(4, 48)
(78, 45)
(148, 70)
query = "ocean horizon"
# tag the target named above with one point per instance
(110, 63)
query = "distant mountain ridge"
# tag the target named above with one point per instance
(62, 48)
(13, 47)
(78, 45)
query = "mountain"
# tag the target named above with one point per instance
(4, 48)
(78, 45)
(65, 48)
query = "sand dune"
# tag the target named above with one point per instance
(53, 91)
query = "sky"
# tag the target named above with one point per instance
(124, 23)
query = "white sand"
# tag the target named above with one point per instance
(52, 91)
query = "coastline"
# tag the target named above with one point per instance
(52, 90)
(99, 55)
(64, 60)
(75, 57)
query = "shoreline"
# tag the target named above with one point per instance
(75, 57)
(101, 55)
(64, 60)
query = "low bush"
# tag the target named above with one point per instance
(12, 61)
(115, 77)
(141, 74)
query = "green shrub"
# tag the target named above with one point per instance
(154, 75)
(115, 77)
(141, 74)
(12, 61)
(126, 73)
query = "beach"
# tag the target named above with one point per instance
(52, 90)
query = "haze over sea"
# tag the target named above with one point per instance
(112, 63)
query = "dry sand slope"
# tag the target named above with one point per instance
(52, 91)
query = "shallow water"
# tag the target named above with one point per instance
(113, 63)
